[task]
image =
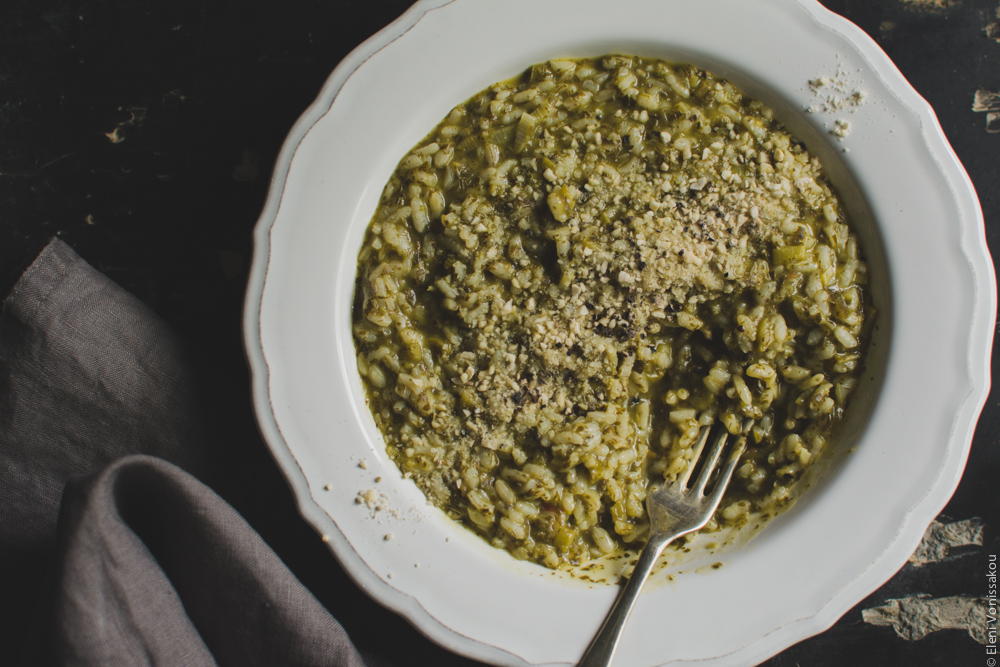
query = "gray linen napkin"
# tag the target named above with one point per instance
(150, 566)
(87, 374)
(153, 568)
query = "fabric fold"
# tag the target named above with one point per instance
(146, 565)
(155, 569)
(88, 374)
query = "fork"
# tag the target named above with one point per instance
(674, 510)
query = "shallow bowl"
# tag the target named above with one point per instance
(904, 444)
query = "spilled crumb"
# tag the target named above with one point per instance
(370, 499)
(363, 464)
(841, 128)
(917, 616)
(834, 93)
(137, 117)
(819, 82)
(328, 487)
(886, 27)
(114, 137)
(377, 503)
(388, 537)
(326, 538)
(941, 538)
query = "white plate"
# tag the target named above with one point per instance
(912, 203)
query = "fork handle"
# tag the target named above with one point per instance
(603, 646)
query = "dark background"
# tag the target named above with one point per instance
(143, 133)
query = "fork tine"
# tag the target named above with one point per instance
(727, 473)
(682, 480)
(673, 512)
(709, 465)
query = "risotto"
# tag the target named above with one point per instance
(577, 270)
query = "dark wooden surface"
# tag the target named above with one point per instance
(143, 133)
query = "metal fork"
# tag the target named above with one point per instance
(674, 510)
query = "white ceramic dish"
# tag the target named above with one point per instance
(913, 205)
